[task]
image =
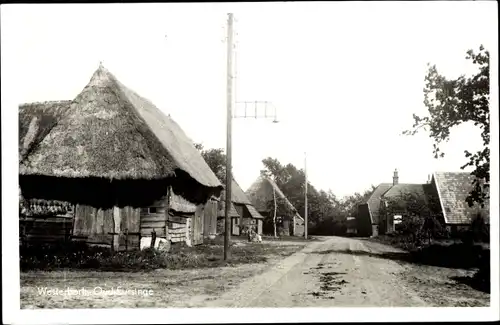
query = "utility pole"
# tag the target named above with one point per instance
(305, 209)
(231, 75)
(275, 210)
(229, 119)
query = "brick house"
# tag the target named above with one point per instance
(444, 194)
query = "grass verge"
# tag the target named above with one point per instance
(80, 256)
(191, 276)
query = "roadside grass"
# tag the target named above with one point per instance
(290, 238)
(448, 254)
(188, 276)
(210, 255)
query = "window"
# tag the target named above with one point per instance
(152, 210)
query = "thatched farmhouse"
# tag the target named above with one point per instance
(241, 210)
(125, 169)
(443, 195)
(261, 193)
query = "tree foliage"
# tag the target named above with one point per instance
(215, 159)
(327, 214)
(421, 216)
(451, 102)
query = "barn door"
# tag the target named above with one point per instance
(236, 229)
(197, 227)
(210, 219)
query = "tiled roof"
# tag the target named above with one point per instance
(453, 188)
(374, 201)
(254, 213)
(401, 189)
(222, 212)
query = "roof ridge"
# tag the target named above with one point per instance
(61, 101)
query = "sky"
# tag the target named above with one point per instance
(345, 78)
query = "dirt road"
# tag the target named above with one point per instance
(340, 272)
(331, 272)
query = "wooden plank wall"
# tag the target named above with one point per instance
(46, 230)
(220, 225)
(177, 227)
(210, 219)
(93, 225)
(154, 220)
(197, 230)
(96, 226)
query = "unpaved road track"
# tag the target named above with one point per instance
(332, 272)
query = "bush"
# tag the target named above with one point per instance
(80, 255)
(479, 229)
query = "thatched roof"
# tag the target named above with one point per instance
(237, 194)
(179, 204)
(110, 132)
(261, 192)
(237, 197)
(35, 122)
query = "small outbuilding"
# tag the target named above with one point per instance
(263, 191)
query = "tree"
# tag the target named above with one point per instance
(421, 216)
(280, 209)
(274, 169)
(451, 102)
(215, 159)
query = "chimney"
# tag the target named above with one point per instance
(429, 180)
(395, 178)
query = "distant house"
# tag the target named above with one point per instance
(452, 189)
(444, 194)
(261, 192)
(121, 165)
(241, 209)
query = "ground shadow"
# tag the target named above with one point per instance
(452, 256)
(474, 282)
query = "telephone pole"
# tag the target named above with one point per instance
(229, 118)
(305, 209)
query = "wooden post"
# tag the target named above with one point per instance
(117, 227)
(229, 117)
(153, 238)
(275, 208)
(167, 211)
(73, 221)
(305, 199)
(126, 239)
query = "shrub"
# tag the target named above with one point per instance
(479, 230)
